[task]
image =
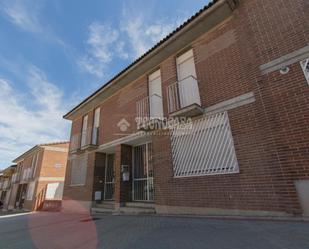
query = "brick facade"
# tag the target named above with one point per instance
(48, 162)
(271, 134)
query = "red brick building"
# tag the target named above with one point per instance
(5, 184)
(38, 177)
(240, 71)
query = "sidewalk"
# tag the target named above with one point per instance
(11, 212)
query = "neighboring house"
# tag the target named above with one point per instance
(37, 181)
(5, 185)
(240, 70)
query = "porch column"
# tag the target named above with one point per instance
(123, 189)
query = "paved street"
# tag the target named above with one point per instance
(54, 230)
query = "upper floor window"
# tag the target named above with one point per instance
(84, 131)
(305, 66)
(36, 160)
(185, 91)
(96, 125)
(155, 95)
(187, 84)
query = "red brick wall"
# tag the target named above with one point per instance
(271, 135)
(85, 192)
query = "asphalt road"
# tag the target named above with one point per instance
(55, 230)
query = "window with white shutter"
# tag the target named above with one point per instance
(96, 125)
(84, 131)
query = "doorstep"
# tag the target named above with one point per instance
(138, 208)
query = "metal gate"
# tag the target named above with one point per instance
(143, 189)
(109, 184)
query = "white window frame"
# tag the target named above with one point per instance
(155, 100)
(83, 140)
(188, 89)
(96, 123)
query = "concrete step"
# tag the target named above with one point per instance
(138, 208)
(106, 205)
(96, 210)
(140, 205)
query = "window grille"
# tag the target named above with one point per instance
(204, 147)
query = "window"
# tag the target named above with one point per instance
(96, 125)
(84, 131)
(30, 191)
(204, 147)
(305, 66)
(78, 170)
(54, 191)
(35, 164)
(155, 95)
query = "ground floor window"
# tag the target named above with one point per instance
(204, 147)
(78, 170)
(30, 190)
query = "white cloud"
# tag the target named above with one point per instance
(129, 39)
(101, 39)
(26, 15)
(23, 13)
(23, 126)
(142, 35)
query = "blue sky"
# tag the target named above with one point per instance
(54, 53)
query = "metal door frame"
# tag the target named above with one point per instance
(105, 182)
(141, 179)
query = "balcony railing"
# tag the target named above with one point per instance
(6, 184)
(150, 107)
(89, 137)
(15, 177)
(183, 93)
(75, 142)
(149, 110)
(27, 174)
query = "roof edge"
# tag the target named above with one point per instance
(31, 150)
(157, 46)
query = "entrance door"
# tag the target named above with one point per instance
(155, 95)
(109, 184)
(143, 189)
(187, 85)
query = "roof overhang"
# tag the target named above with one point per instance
(8, 171)
(28, 152)
(173, 43)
